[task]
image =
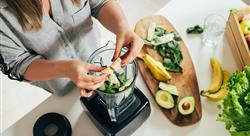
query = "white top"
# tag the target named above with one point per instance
(182, 14)
(71, 34)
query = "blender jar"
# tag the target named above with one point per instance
(102, 57)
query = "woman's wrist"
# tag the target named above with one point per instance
(63, 67)
(123, 28)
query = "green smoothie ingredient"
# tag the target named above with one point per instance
(170, 88)
(186, 105)
(235, 109)
(115, 83)
(164, 99)
(195, 30)
(168, 46)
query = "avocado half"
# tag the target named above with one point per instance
(186, 105)
(164, 99)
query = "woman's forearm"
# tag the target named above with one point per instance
(76, 70)
(112, 17)
(46, 70)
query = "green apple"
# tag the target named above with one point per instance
(245, 27)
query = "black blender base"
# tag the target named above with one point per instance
(127, 122)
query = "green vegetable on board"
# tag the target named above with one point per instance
(168, 46)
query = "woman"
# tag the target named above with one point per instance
(46, 42)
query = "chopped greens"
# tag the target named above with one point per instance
(195, 30)
(235, 109)
(115, 83)
(171, 66)
(168, 46)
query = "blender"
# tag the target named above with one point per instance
(120, 113)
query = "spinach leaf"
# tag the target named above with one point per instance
(171, 66)
(195, 30)
(159, 31)
(122, 78)
(169, 48)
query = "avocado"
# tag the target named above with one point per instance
(186, 105)
(164, 99)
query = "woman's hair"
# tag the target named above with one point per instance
(30, 12)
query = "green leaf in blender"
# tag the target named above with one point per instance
(115, 83)
(126, 84)
(122, 78)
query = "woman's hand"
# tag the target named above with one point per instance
(78, 72)
(131, 40)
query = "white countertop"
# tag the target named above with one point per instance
(182, 14)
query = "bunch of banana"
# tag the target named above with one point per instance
(217, 90)
(156, 68)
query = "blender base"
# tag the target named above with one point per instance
(127, 121)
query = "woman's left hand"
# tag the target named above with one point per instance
(131, 40)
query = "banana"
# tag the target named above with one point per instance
(226, 76)
(217, 76)
(221, 93)
(215, 96)
(156, 68)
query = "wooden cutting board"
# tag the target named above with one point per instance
(185, 82)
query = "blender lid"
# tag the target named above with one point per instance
(52, 124)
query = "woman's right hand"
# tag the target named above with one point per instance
(78, 71)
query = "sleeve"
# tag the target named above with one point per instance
(95, 6)
(14, 59)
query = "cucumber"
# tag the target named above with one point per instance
(163, 39)
(151, 31)
(113, 79)
(166, 38)
(169, 88)
(102, 88)
(126, 84)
